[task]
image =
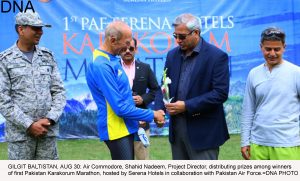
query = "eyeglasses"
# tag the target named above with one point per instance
(125, 49)
(182, 36)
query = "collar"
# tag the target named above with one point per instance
(196, 49)
(110, 56)
(123, 63)
(19, 53)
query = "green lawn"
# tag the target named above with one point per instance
(93, 149)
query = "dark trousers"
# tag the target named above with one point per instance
(182, 151)
(122, 148)
(181, 147)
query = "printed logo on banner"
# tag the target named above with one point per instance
(147, 1)
(44, 1)
(15, 6)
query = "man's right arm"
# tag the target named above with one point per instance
(248, 112)
(122, 106)
(8, 109)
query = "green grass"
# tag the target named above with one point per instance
(93, 149)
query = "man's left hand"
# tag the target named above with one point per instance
(176, 107)
(39, 128)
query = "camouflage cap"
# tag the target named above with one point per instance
(30, 18)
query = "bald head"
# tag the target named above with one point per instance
(117, 29)
(118, 35)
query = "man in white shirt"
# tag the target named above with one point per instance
(271, 107)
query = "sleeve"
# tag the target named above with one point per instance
(122, 106)
(152, 86)
(297, 80)
(219, 92)
(10, 111)
(57, 91)
(248, 112)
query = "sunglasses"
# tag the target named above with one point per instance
(125, 49)
(182, 36)
(272, 33)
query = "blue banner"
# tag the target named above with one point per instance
(78, 29)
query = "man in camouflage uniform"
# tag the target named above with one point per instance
(32, 96)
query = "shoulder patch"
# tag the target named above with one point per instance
(46, 50)
(5, 53)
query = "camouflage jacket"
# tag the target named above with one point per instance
(29, 90)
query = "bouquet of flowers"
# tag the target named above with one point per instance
(165, 88)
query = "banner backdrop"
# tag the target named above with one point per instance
(78, 29)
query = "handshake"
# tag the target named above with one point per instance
(159, 118)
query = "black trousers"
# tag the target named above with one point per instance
(122, 148)
(182, 148)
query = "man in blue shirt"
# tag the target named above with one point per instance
(117, 114)
(200, 83)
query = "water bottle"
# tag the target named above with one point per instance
(143, 137)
